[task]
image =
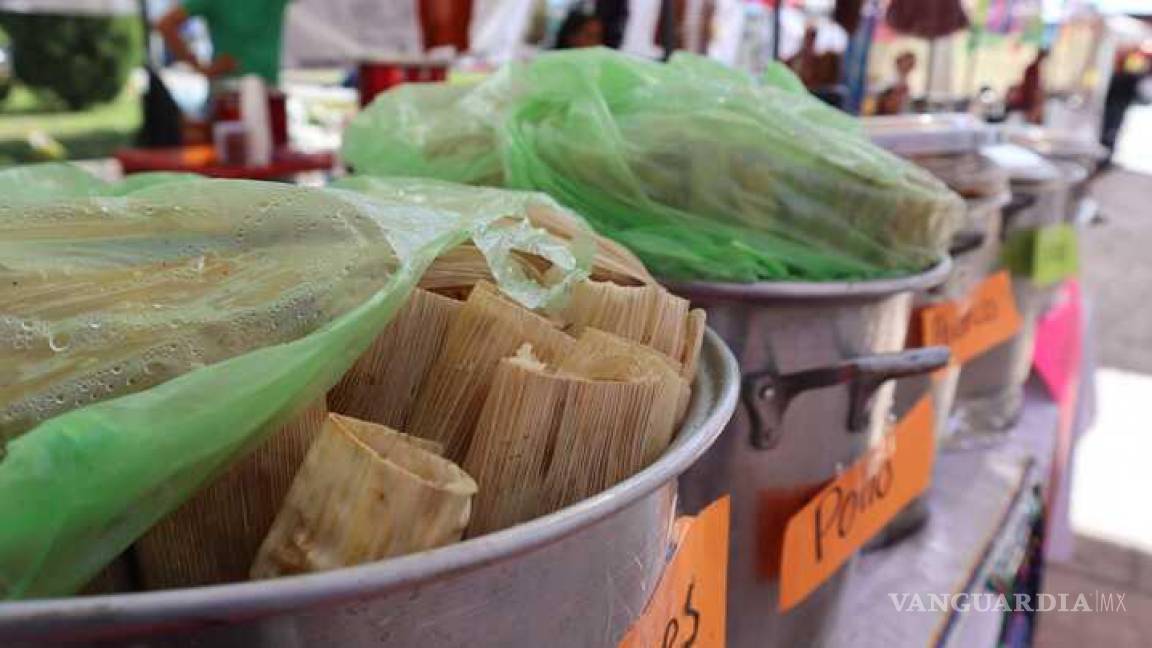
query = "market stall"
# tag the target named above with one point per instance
(591, 351)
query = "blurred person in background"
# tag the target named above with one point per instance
(897, 97)
(580, 29)
(245, 36)
(1131, 68)
(1028, 96)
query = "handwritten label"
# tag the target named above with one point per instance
(821, 537)
(689, 605)
(974, 325)
(1055, 254)
(1045, 255)
(1058, 350)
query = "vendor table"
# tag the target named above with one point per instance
(985, 503)
(286, 162)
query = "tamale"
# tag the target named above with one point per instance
(603, 356)
(214, 536)
(649, 315)
(487, 329)
(693, 340)
(364, 492)
(513, 445)
(601, 437)
(547, 439)
(381, 387)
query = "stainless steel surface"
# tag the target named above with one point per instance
(577, 577)
(782, 329)
(990, 393)
(970, 266)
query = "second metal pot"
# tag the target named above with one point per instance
(814, 359)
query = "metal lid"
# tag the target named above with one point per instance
(939, 134)
(1023, 165)
(1054, 143)
(791, 291)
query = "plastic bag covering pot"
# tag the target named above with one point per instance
(150, 340)
(433, 130)
(703, 172)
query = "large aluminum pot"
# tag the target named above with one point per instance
(815, 358)
(975, 252)
(990, 393)
(578, 577)
(1076, 156)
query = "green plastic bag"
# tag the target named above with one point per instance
(434, 130)
(57, 180)
(158, 336)
(701, 171)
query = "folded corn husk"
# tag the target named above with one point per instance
(513, 444)
(488, 328)
(547, 439)
(382, 386)
(214, 536)
(601, 356)
(649, 315)
(364, 493)
(693, 341)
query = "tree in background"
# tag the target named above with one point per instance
(83, 60)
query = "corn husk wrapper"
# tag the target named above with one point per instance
(649, 315)
(364, 493)
(602, 356)
(547, 439)
(693, 341)
(214, 536)
(382, 386)
(487, 329)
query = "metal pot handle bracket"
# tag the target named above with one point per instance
(767, 395)
(965, 242)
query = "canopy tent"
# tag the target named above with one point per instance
(93, 7)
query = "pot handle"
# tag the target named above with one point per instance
(965, 242)
(767, 395)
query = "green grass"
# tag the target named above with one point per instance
(94, 132)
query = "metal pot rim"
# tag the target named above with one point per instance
(713, 402)
(804, 290)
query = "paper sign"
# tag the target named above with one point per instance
(1058, 347)
(1045, 255)
(688, 607)
(1054, 254)
(974, 325)
(857, 505)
